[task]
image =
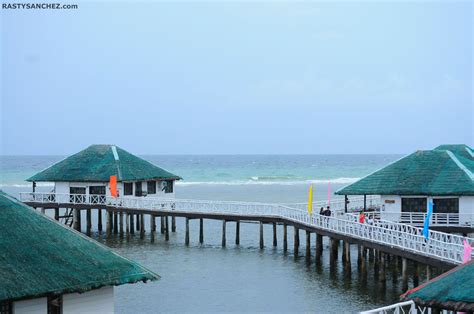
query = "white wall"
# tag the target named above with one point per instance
(95, 301)
(31, 306)
(390, 204)
(466, 206)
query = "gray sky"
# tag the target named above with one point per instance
(267, 77)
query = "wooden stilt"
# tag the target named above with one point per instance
(167, 229)
(308, 245)
(416, 273)
(296, 241)
(127, 225)
(108, 223)
(275, 234)
(428, 272)
(138, 222)
(237, 232)
(173, 224)
(404, 275)
(121, 224)
(152, 228)
(347, 260)
(201, 231)
(99, 220)
(223, 233)
(132, 224)
(115, 222)
(77, 219)
(162, 227)
(56, 213)
(319, 246)
(285, 237)
(142, 226)
(88, 221)
(261, 235)
(333, 252)
(186, 238)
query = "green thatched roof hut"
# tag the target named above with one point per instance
(453, 290)
(40, 257)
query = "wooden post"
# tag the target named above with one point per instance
(127, 225)
(319, 246)
(296, 241)
(138, 222)
(261, 235)
(99, 220)
(88, 222)
(167, 229)
(132, 225)
(121, 224)
(416, 280)
(308, 244)
(201, 231)
(346, 202)
(108, 223)
(173, 224)
(428, 272)
(142, 226)
(77, 219)
(162, 227)
(285, 237)
(115, 222)
(186, 238)
(404, 275)
(333, 252)
(275, 234)
(237, 232)
(56, 213)
(347, 252)
(223, 233)
(152, 227)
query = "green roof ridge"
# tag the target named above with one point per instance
(461, 165)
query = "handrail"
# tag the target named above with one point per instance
(396, 308)
(418, 218)
(442, 246)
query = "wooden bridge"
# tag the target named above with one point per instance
(441, 249)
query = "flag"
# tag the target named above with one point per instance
(467, 252)
(426, 226)
(329, 193)
(113, 186)
(310, 199)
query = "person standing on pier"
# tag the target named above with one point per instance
(361, 217)
(321, 211)
(327, 212)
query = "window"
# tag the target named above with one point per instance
(97, 190)
(6, 307)
(138, 189)
(168, 186)
(415, 204)
(446, 205)
(55, 304)
(151, 187)
(98, 194)
(128, 188)
(81, 198)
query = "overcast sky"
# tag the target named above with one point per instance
(238, 78)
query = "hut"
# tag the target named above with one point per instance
(88, 172)
(46, 267)
(443, 176)
(453, 290)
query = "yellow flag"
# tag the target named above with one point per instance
(310, 199)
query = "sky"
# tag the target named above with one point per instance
(237, 77)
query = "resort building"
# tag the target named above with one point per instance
(443, 176)
(89, 173)
(46, 267)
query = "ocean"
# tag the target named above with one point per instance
(209, 278)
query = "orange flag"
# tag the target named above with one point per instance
(113, 186)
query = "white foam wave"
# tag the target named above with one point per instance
(25, 185)
(270, 182)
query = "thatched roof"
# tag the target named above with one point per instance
(453, 290)
(445, 170)
(39, 256)
(97, 163)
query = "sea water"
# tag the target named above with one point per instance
(209, 278)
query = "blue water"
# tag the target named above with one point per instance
(209, 278)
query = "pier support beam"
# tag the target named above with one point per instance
(115, 222)
(152, 228)
(347, 260)
(99, 220)
(308, 245)
(275, 243)
(201, 231)
(428, 272)
(56, 213)
(173, 224)
(333, 252)
(382, 277)
(285, 237)
(108, 223)
(121, 224)
(88, 221)
(416, 275)
(261, 235)
(404, 275)
(138, 222)
(132, 225)
(127, 225)
(167, 229)
(319, 246)
(223, 233)
(76, 216)
(296, 241)
(237, 232)
(142, 226)
(162, 226)
(186, 237)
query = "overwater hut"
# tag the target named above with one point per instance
(46, 267)
(88, 172)
(443, 176)
(453, 290)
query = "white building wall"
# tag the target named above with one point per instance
(466, 206)
(95, 301)
(32, 306)
(391, 206)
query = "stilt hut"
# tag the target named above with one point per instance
(88, 173)
(46, 267)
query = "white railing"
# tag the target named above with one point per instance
(408, 307)
(355, 203)
(441, 246)
(418, 219)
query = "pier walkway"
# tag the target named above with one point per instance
(442, 249)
